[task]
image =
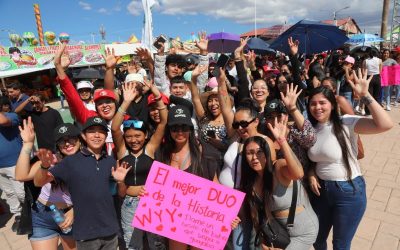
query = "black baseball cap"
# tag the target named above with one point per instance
(275, 105)
(179, 115)
(95, 121)
(65, 130)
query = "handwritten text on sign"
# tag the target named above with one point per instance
(187, 208)
(390, 75)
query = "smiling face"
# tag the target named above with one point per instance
(95, 137)
(178, 89)
(85, 94)
(213, 105)
(320, 108)
(154, 114)
(259, 91)
(106, 108)
(134, 139)
(13, 93)
(180, 133)
(282, 83)
(251, 129)
(255, 157)
(68, 145)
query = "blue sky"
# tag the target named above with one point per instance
(173, 17)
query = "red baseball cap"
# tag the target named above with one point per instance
(151, 99)
(104, 93)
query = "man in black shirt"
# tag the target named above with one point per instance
(45, 120)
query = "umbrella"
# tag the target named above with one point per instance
(259, 46)
(89, 73)
(364, 38)
(363, 51)
(223, 42)
(314, 37)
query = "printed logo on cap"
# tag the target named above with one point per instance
(103, 93)
(62, 130)
(273, 105)
(179, 113)
(98, 120)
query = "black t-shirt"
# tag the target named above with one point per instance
(140, 169)
(139, 110)
(88, 181)
(45, 123)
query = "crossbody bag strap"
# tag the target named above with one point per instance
(293, 206)
(236, 166)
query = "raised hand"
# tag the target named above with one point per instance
(239, 50)
(293, 45)
(46, 157)
(61, 58)
(129, 91)
(120, 171)
(198, 70)
(143, 53)
(110, 58)
(361, 82)
(27, 131)
(290, 98)
(202, 44)
(279, 129)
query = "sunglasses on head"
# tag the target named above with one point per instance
(243, 124)
(133, 124)
(177, 128)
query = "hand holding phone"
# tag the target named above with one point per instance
(160, 39)
(221, 63)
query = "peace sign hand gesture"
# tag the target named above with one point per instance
(293, 45)
(290, 98)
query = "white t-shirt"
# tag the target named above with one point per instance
(327, 153)
(227, 174)
(372, 65)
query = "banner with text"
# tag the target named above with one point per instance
(390, 75)
(187, 208)
(22, 60)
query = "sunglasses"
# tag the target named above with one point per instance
(243, 124)
(177, 128)
(70, 141)
(104, 101)
(133, 124)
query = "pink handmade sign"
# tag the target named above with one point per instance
(187, 208)
(390, 75)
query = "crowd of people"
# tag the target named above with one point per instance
(283, 129)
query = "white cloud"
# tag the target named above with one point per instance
(84, 5)
(135, 7)
(367, 13)
(103, 11)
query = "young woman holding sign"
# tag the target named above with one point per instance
(132, 148)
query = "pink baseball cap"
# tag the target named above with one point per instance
(212, 83)
(349, 59)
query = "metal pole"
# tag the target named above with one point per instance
(255, 18)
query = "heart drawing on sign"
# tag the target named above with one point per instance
(224, 229)
(144, 205)
(159, 227)
(158, 204)
(173, 229)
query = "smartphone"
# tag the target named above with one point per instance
(221, 63)
(211, 133)
(160, 39)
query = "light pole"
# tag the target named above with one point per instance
(335, 12)
(255, 18)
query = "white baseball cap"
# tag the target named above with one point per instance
(84, 85)
(134, 77)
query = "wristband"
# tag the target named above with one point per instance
(162, 108)
(120, 110)
(293, 110)
(44, 168)
(27, 151)
(367, 100)
(281, 141)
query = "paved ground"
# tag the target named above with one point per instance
(380, 227)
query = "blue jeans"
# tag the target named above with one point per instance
(243, 237)
(386, 94)
(341, 206)
(348, 96)
(133, 236)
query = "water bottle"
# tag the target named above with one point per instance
(58, 217)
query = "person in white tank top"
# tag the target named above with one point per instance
(373, 65)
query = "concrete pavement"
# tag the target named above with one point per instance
(380, 227)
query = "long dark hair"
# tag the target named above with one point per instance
(195, 155)
(251, 206)
(337, 124)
